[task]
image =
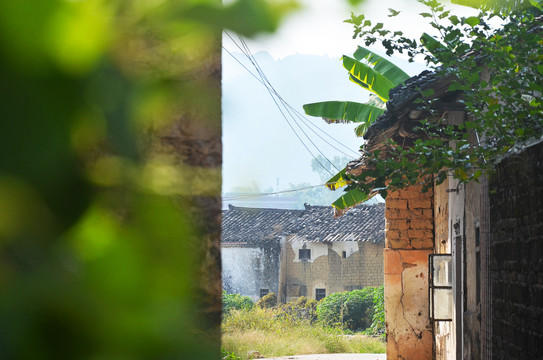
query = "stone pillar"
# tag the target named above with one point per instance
(409, 241)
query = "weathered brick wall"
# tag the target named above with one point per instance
(516, 261)
(409, 219)
(409, 240)
(334, 273)
(361, 269)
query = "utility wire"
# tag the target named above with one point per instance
(262, 78)
(270, 86)
(300, 116)
(246, 196)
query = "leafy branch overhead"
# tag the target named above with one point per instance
(493, 75)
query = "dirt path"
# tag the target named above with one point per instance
(332, 357)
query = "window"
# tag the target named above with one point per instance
(320, 294)
(440, 287)
(304, 254)
(264, 292)
(477, 266)
(344, 254)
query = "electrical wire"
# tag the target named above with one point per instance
(300, 116)
(270, 86)
(306, 122)
(284, 107)
(247, 196)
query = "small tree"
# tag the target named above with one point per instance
(496, 71)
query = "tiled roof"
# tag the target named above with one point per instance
(254, 224)
(400, 120)
(402, 112)
(314, 224)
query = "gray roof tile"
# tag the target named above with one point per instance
(314, 224)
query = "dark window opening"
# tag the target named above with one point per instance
(264, 292)
(304, 254)
(344, 254)
(320, 294)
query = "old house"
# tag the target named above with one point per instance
(301, 252)
(463, 263)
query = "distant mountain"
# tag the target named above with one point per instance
(259, 145)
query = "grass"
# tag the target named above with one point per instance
(272, 332)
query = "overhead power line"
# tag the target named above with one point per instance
(287, 111)
(247, 196)
(309, 124)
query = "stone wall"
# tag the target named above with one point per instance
(409, 241)
(516, 261)
(362, 266)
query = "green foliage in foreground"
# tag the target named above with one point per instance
(276, 332)
(496, 73)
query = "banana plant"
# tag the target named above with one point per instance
(375, 74)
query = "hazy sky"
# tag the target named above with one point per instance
(302, 61)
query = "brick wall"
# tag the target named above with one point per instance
(333, 272)
(516, 261)
(409, 219)
(409, 241)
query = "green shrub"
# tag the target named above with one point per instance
(267, 301)
(352, 310)
(378, 322)
(235, 302)
(301, 308)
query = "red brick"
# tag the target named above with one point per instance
(397, 244)
(410, 193)
(398, 214)
(395, 204)
(420, 233)
(420, 204)
(424, 243)
(421, 224)
(396, 225)
(393, 234)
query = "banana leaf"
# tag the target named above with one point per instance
(339, 180)
(351, 198)
(344, 111)
(381, 65)
(373, 80)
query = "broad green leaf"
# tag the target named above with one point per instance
(351, 198)
(339, 180)
(434, 47)
(376, 82)
(358, 82)
(381, 65)
(344, 111)
(472, 21)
